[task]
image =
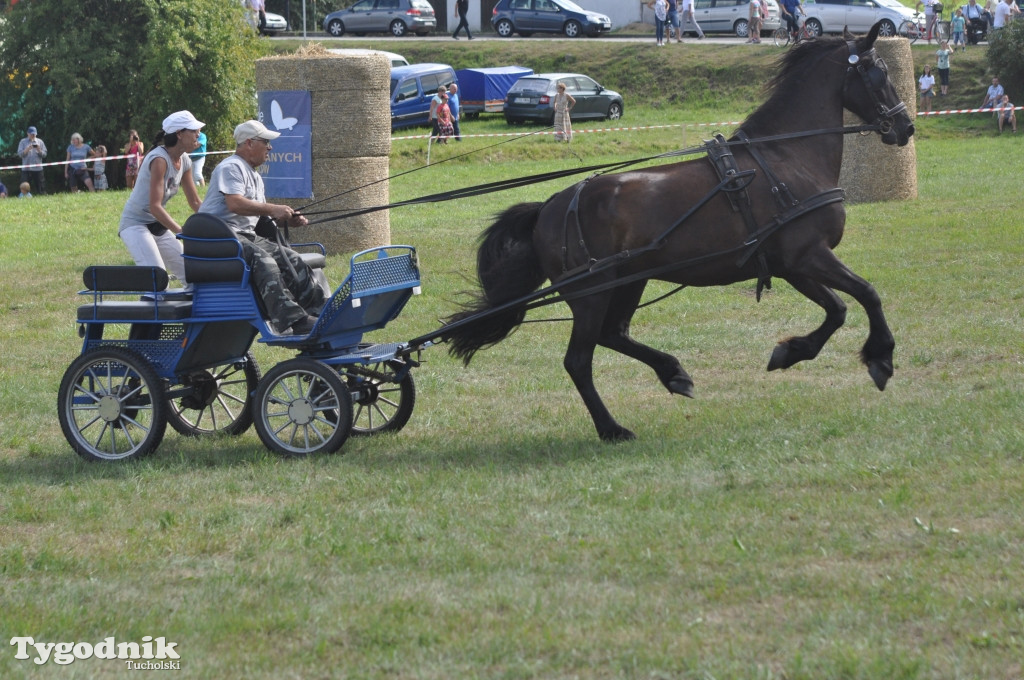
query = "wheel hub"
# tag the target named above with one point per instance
(301, 412)
(110, 408)
(204, 391)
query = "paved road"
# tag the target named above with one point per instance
(353, 41)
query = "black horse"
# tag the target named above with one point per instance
(769, 208)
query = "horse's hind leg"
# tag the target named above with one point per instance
(615, 336)
(588, 317)
(804, 348)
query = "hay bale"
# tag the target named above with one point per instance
(873, 171)
(351, 139)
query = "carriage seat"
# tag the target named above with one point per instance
(213, 253)
(150, 282)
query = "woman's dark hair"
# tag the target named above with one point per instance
(165, 139)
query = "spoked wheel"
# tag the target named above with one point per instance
(302, 406)
(111, 405)
(221, 400)
(909, 30)
(381, 403)
(780, 37)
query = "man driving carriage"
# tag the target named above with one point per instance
(291, 295)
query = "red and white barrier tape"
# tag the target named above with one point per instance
(35, 166)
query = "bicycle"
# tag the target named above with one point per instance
(917, 28)
(782, 37)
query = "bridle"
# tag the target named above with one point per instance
(874, 76)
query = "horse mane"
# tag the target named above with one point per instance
(790, 70)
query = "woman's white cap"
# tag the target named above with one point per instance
(181, 120)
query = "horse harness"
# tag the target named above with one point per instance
(734, 183)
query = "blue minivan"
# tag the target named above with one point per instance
(412, 88)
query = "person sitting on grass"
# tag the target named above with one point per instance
(1006, 114)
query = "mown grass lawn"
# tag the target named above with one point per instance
(798, 524)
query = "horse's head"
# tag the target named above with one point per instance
(869, 93)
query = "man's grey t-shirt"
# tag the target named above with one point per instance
(233, 176)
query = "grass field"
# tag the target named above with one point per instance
(797, 524)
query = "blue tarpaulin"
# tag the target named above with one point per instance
(484, 89)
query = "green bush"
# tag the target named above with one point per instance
(102, 67)
(1005, 47)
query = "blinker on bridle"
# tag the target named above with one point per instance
(886, 115)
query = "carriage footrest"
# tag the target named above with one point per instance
(165, 310)
(369, 354)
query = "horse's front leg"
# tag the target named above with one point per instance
(804, 348)
(615, 336)
(876, 354)
(588, 315)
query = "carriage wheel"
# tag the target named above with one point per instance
(302, 406)
(382, 403)
(221, 400)
(111, 405)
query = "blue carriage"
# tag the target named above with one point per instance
(151, 356)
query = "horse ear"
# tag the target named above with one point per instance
(847, 36)
(869, 40)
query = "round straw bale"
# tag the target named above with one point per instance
(874, 171)
(347, 184)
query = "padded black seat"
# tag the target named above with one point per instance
(212, 251)
(120, 280)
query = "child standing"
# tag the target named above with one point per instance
(926, 85)
(99, 169)
(943, 55)
(956, 26)
(754, 21)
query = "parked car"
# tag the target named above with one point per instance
(830, 16)
(731, 16)
(275, 24)
(395, 59)
(412, 88)
(397, 17)
(527, 17)
(531, 98)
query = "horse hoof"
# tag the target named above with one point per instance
(779, 356)
(880, 372)
(619, 434)
(681, 386)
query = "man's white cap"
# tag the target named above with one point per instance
(253, 129)
(181, 120)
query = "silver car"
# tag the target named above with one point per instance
(397, 17)
(830, 16)
(730, 16)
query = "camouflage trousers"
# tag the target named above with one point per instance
(287, 297)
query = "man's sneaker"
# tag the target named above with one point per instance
(304, 326)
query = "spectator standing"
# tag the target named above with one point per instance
(1004, 13)
(32, 150)
(660, 8)
(199, 160)
(287, 286)
(943, 65)
(453, 106)
(99, 169)
(435, 104)
(75, 170)
(673, 21)
(3, 190)
(926, 86)
(993, 95)
(445, 126)
(957, 26)
(563, 104)
(26, 190)
(689, 17)
(134, 150)
(147, 229)
(462, 14)
(1006, 113)
(754, 20)
(929, 16)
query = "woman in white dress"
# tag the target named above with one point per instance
(563, 104)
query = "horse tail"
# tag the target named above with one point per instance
(508, 268)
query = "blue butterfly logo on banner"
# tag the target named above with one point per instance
(289, 172)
